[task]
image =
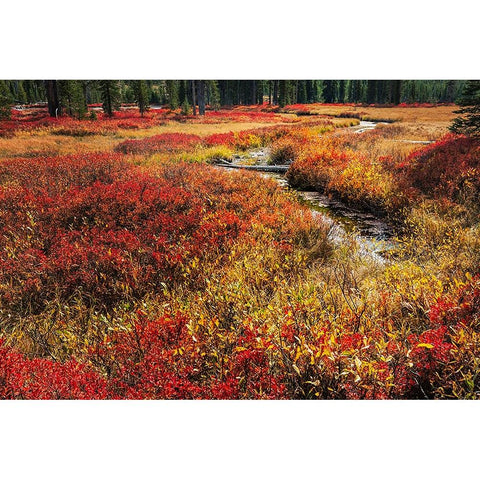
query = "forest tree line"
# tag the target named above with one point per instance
(72, 97)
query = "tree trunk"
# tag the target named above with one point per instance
(85, 93)
(201, 97)
(275, 92)
(194, 99)
(52, 97)
(282, 92)
(450, 93)
(396, 91)
(108, 101)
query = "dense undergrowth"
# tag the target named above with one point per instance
(145, 273)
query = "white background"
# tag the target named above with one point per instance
(216, 40)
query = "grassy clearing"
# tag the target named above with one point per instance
(133, 274)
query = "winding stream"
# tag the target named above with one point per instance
(372, 234)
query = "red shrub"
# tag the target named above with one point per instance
(161, 359)
(449, 167)
(227, 139)
(104, 238)
(34, 379)
(462, 309)
(166, 142)
(56, 174)
(106, 231)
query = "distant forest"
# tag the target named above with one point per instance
(67, 96)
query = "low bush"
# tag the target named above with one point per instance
(447, 168)
(283, 151)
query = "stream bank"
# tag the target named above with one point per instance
(372, 233)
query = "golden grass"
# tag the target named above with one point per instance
(394, 139)
(404, 114)
(44, 143)
(419, 123)
(381, 142)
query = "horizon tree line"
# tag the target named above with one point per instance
(72, 97)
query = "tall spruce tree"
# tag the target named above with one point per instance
(261, 90)
(341, 91)
(213, 94)
(172, 87)
(450, 91)
(5, 101)
(182, 92)
(275, 92)
(110, 92)
(282, 92)
(329, 91)
(142, 95)
(32, 90)
(372, 91)
(468, 121)
(72, 99)
(194, 97)
(21, 94)
(396, 91)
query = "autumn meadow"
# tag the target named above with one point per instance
(186, 240)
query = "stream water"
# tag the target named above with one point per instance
(373, 235)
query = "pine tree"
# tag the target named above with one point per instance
(5, 101)
(253, 91)
(31, 90)
(292, 91)
(186, 109)
(310, 91)
(287, 92)
(411, 89)
(302, 92)
(110, 91)
(282, 92)
(396, 91)
(318, 87)
(154, 95)
(341, 91)
(21, 94)
(261, 90)
(382, 92)
(182, 92)
(371, 91)
(213, 94)
(275, 91)
(72, 99)
(128, 94)
(142, 97)
(194, 97)
(450, 91)
(468, 121)
(172, 87)
(329, 91)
